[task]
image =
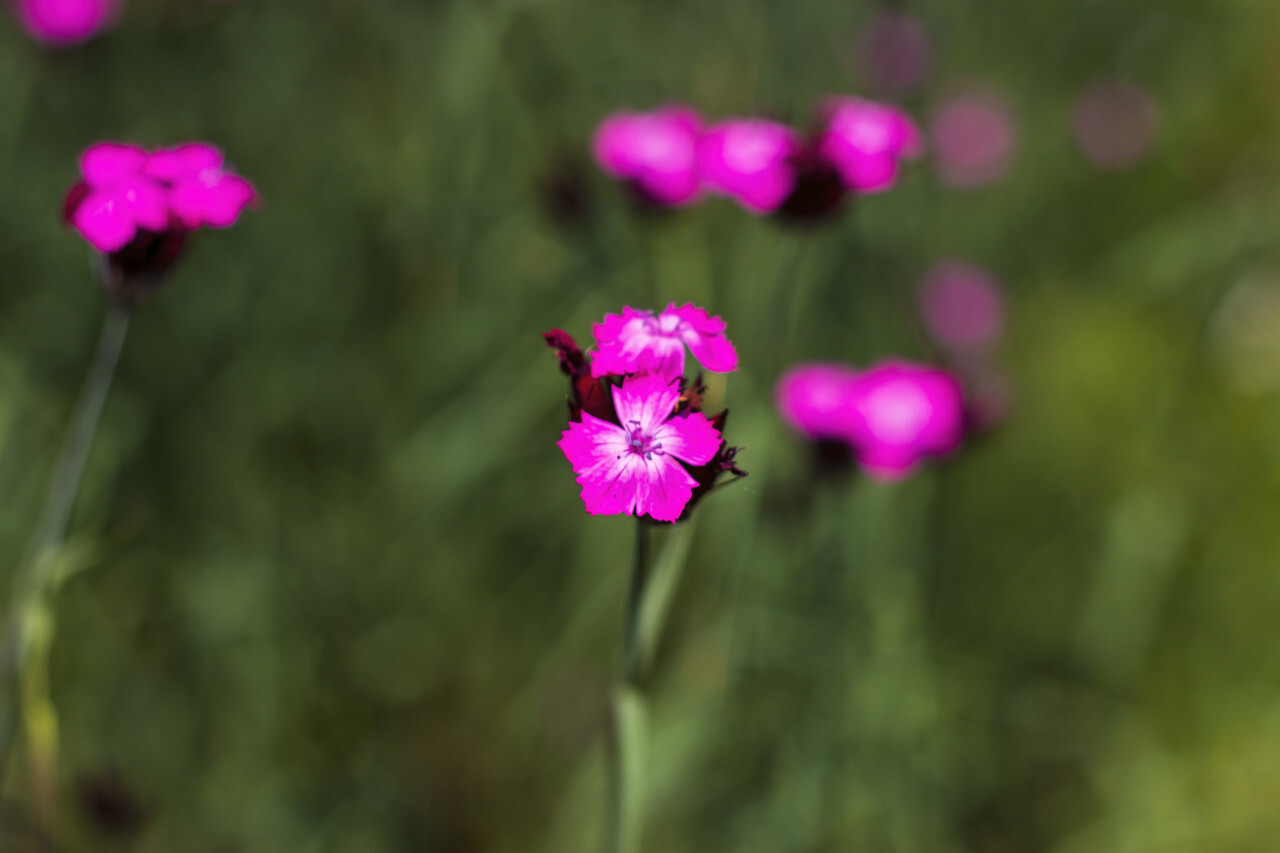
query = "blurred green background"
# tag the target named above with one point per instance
(337, 590)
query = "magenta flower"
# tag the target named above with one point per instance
(815, 399)
(63, 23)
(137, 208)
(867, 141)
(639, 342)
(116, 199)
(901, 413)
(961, 307)
(201, 191)
(636, 468)
(657, 152)
(975, 137)
(751, 160)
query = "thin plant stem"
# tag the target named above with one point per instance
(30, 622)
(627, 736)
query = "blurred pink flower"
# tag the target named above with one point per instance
(62, 23)
(815, 399)
(961, 306)
(1114, 122)
(902, 413)
(657, 152)
(639, 342)
(201, 191)
(894, 52)
(750, 160)
(635, 468)
(974, 136)
(866, 141)
(116, 198)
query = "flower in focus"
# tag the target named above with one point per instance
(961, 307)
(866, 142)
(974, 136)
(895, 53)
(751, 161)
(1113, 122)
(902, 413)
(640, 342)
(137, 208)
(63, 23)
(657, 152)
(634, 467)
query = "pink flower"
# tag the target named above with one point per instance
(975, 137)
(657, 152)
(639, 342)
(894, 52)
(636, 468)
(201, 191)
(867, 141)
(901, 413)
(961, 306)
(815, 399)
(116, 198)
(62, 23)
(750, 160)
(1114, 123)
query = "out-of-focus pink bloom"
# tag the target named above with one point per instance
(961, 306)
(901, 413)
(894, 52)
(815, 399)
(657, 152)
(116, 198)
(640, 342)
(974, 137)
(1114, 122)
(201, 191)
(751, 160)
(866, 141)
(635, 468)
(62, 23)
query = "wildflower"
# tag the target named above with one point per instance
(889, 417)
(1114, 123)
(901, 413)
(751, 161)
(63, 23)
(634, 467)
(894, 52)
(961, 307)
(657, 152)
(974, 139)
(866, 141)
(639, 342)
(137, 208)
(201, 191)
(815, 399)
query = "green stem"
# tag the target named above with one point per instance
(30, 622)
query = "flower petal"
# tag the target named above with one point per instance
(108, 162)
(648, 399)
(591, 440)
(690, 438)
(104, 222)
(705, 337)
(668, 488)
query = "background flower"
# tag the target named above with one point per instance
(657, 151)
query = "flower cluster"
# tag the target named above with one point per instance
(890, 416)
(136, 207)
(671, 156)
(637, 437)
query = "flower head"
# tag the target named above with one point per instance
(634, 467)
(640, 342)
(890, 416)
(657, 152)
(63, 23)
(974, 137)
(961, 307)
(750, 160)
(902, 413)
(137, 207)
(866, 141)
